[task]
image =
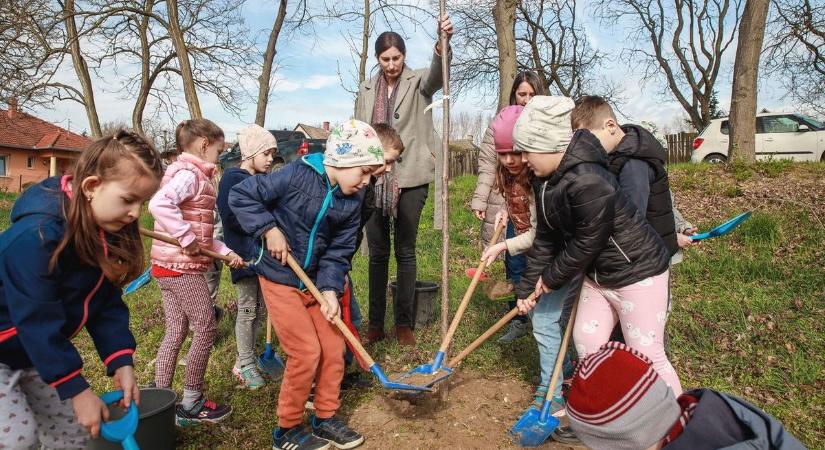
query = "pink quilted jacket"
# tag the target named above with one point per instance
(184, 208)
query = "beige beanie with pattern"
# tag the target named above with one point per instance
(544, 125)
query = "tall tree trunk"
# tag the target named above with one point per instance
(81, 69)
(179, 43)
(269, 58)
(365, 44)
(145, 87)
(742, 145)
(504, 17)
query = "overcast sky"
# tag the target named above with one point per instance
(309, 90)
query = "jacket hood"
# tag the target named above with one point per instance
(45, 198)
(639, 141)
(584, 148)
(316, 161)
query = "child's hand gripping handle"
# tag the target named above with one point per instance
(173, 241)
(356, 345)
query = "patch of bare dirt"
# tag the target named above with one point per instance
(475, 413)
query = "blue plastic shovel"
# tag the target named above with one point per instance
(139, 282)
(723, 229)
(436, 370)
(121, 431)
(356, 345)
(269, 361)
(535, 426)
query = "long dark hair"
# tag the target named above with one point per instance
(504, 179)
(530, 78)
(387, 40)
(122, 261)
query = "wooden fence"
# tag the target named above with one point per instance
(679, 147)
(463, 162)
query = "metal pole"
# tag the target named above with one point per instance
(445, 178)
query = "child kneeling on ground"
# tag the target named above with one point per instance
(72, 244)
(618, 402)
(310, 208)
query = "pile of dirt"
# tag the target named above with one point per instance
(476, 413)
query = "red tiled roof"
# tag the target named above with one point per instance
(28, 131)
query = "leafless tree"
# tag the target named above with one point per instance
(678, 43)
(795, 50)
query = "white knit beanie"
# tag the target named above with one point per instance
(544, 125)
(254, 139)
(353, 144)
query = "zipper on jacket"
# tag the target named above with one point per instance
(620, 249)
(318, 218)
(543, 206)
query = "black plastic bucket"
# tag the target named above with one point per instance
(156, 427)
(424, 301)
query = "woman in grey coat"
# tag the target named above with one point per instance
(399, 96)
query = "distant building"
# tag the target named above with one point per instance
(311, 132)
(32, 149)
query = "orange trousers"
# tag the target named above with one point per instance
(315, 352)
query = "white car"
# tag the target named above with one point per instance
(778, 136)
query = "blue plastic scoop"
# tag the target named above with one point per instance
(121, 431)
(723, 229)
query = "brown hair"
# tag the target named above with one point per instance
(388, 137)
(122, 259)
(526, 77)
(189, 130)
(590, 112)
(504, 178)
(387, 40)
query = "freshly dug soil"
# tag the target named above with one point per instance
(475, 412)
(419, 379)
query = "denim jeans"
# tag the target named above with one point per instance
(548, 334)
(514, 266)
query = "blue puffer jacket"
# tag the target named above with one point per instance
(319, 222)
(40, 312)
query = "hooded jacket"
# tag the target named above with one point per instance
(721, 421)
(40, 312)
(639, 164)
(319, 222)
(585, 223)
(233, 233)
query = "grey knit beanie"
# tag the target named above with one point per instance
(618, 402)
(544, 125)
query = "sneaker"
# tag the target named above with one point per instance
(565, 435)
(556, 406)
(336, 432)
(203, 411)
(249, 376)
(516, 330)
(297, 438)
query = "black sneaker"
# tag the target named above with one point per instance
(564, 435)
(203, 411)
(336, 432)
(297, 438)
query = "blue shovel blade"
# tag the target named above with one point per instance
(395, 385)
(122, 430)
(271, 364)
(530, 431)
(139, 282)
(722, 229)
(439, 374)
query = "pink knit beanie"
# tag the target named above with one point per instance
(503, 125)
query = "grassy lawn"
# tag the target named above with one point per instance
(748, 308)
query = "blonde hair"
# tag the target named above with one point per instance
(189, 130)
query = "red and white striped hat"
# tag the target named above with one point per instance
(618, 401)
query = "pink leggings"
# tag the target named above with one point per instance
(641, 308)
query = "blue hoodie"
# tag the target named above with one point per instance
(234, 235)
(40, 312)
(319, 222)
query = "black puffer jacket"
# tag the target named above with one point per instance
(640, 144)
(585, 223)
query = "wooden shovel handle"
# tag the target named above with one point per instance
(487, 334)
(173, 241)
(268, 329)
(445, 343)
(568, 330)
(336, 320)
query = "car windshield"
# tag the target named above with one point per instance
(815, 123)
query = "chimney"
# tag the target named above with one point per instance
(326, 126)
(12, 113)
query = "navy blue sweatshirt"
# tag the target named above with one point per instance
(40, 312)
(234, 236)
